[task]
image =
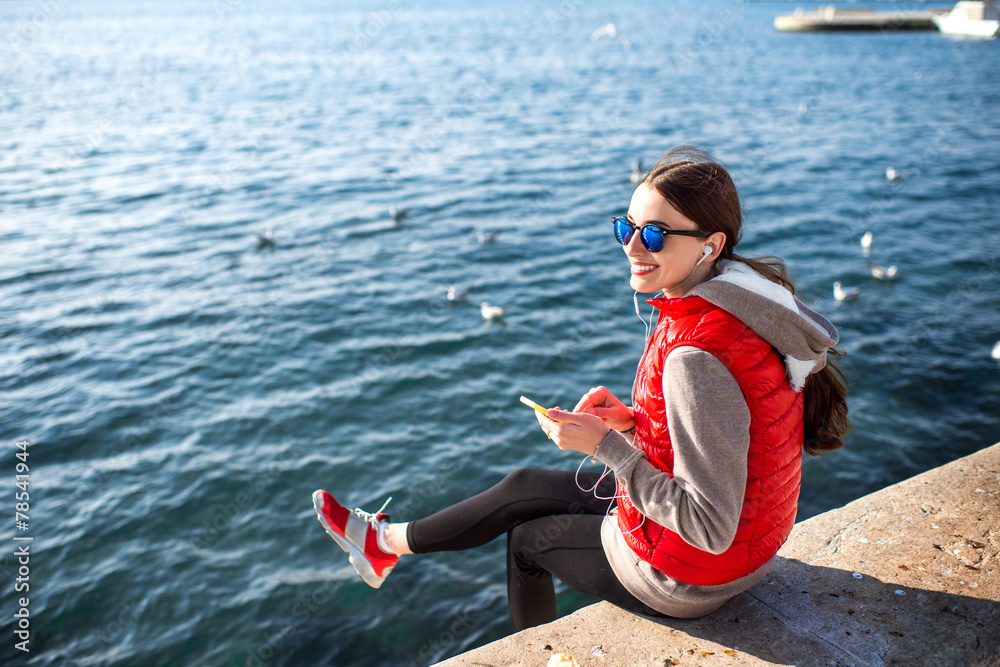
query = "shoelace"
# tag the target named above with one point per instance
(371, 518)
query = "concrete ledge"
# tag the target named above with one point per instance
(907, 575)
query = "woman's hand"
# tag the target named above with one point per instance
(573, 431)
(601, 402)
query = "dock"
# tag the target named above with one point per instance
(909, 574)
(856, 18)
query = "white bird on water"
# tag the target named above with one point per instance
(265, 240)
(486, 237)
(398, 215)
(866, 243)
(883, 273)
(841, 294)
(637, 171)
(996, 351)
(456, 294)
(610, 30)
(491, 312)
(892, 175)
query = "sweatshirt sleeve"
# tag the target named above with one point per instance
(709, 426)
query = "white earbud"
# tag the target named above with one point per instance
(704, 254)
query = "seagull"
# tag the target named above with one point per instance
(487, 237)
(892, 175)
(610, 30)
(996, 351)
(866, 243)
(265, 240)
(457, 293)
(637, 171)
(883, 273)
(491, 312)
(849, 294)
(398, 215)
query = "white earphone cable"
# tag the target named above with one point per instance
(613, 497)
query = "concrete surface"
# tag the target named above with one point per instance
(907, 575)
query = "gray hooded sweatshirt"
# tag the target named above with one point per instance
(709, 424)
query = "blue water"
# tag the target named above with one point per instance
(184, 393)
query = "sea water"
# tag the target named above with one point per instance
(184, 391)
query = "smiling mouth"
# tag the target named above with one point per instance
(643, 269)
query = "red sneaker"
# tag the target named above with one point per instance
(356, 532)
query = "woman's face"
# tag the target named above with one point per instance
(669, 268)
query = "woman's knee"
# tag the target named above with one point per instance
(523, 547)
(521, 539)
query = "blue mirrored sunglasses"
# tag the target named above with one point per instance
(652, 236)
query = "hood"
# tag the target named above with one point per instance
(800, 335)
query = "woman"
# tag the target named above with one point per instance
(733, 383)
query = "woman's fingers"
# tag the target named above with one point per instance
(606, 413)
(547, 424)
(576, 431)
(567, 417)
(597, 397)
(542, 420)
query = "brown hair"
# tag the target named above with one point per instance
(700, 189)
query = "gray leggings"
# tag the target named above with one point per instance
(553, 529)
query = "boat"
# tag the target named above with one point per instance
(970, 18)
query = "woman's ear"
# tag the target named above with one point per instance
(717, 241)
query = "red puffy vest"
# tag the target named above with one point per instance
(774, 461)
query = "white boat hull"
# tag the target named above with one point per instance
(967, 28)
(969, 19)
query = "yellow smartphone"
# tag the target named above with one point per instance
(531, 404)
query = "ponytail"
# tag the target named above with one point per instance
(825, 413)
(825, 392)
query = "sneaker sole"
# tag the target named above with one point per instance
(355, 555)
